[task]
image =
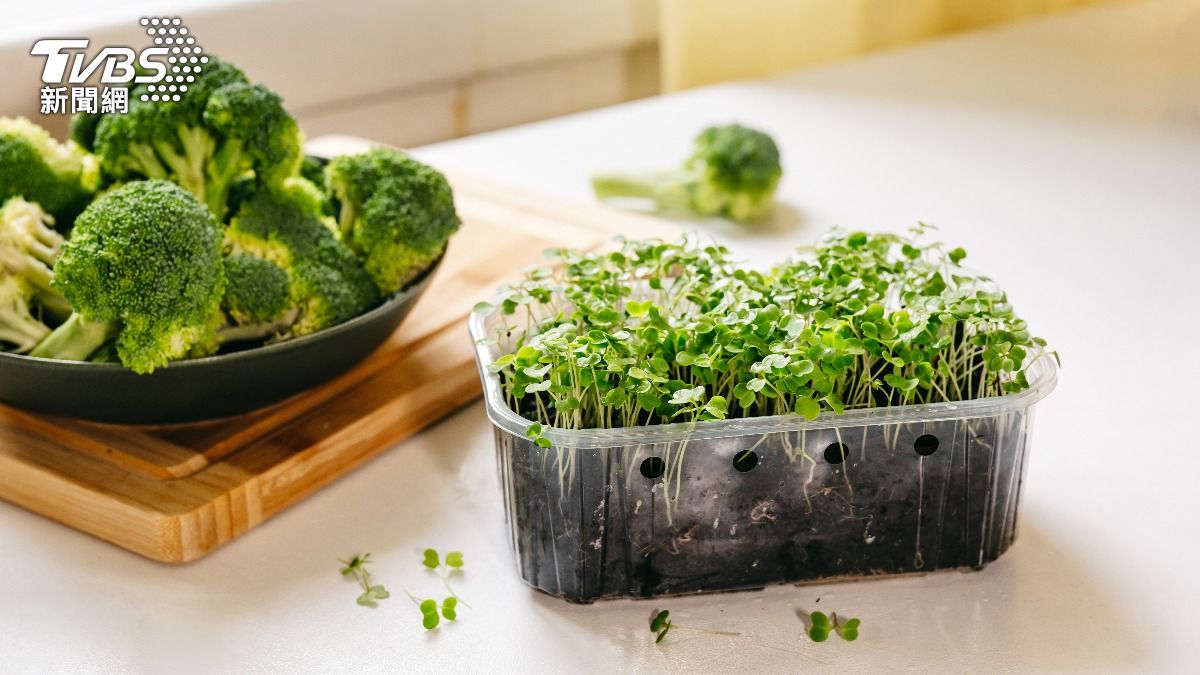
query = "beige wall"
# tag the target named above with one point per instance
(706, 41)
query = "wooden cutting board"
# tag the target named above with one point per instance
(176, 493)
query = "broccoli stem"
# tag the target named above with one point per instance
(75, 340)
(144, 160)
(53, 304)
(667, 189)
(224, 168)
(18, 328)
(257, 331)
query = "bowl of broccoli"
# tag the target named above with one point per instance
(186, 261)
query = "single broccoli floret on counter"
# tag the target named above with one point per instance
(28, 249)
(396, 213)
(20, 330)
(732, 173)
(61, 177)
(143, 264)
(326, 283)
(221, 129)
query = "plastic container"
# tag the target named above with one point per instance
(737, 504)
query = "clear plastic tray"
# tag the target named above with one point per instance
(742, 503)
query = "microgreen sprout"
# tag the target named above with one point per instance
(356, 568)
(821, 625)
(661, 624)
(432, 612)
(677, 332)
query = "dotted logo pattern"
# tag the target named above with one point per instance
(185, 59)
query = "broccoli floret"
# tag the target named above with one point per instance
(732, 173)
(144, 264)
(83, 129)
(28, 249)
(256, 289)
(396, 213)
(284, 225)
(61, 177)
(220, 130)
(19, 328)
(257, 299)
(255, 133)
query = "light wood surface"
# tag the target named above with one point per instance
(176, 493)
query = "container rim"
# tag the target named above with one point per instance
(1043, 376)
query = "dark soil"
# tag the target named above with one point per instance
(871, 500)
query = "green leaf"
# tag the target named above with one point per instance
(659, 620)
(808, 408)
(685, 396)
(484, 308)
(542, 442)
(717, 407)
(616, 397)
(380, 593)
(533, 430)
(635, 308)
(819, 619)
(428, 606)
(450, 608)
(431, 559)
(956, 255)
(430, 619)
(454, 559)
(900, 382)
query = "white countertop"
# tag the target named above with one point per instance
(1064, 154)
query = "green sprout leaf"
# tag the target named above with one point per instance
(849, 630)
(431, 559)
(808, 408)
(429, 614)
(820, 628)
(660, 624)
(454, 559)
(356, 568)
(663, 332)
(449, 608)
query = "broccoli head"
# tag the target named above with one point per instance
(61, 177)
(284, 225)
(28, 249)
(19, 328)
(733, 173)
(396, 213)
(255, 133)
(144, 264)
(256, 289)
(221, 129)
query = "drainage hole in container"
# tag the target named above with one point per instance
(926, 445)
(653, 467)
(745, 461)
(835, 453)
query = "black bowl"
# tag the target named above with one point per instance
(204, 388)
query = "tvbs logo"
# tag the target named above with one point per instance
(166, 68)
